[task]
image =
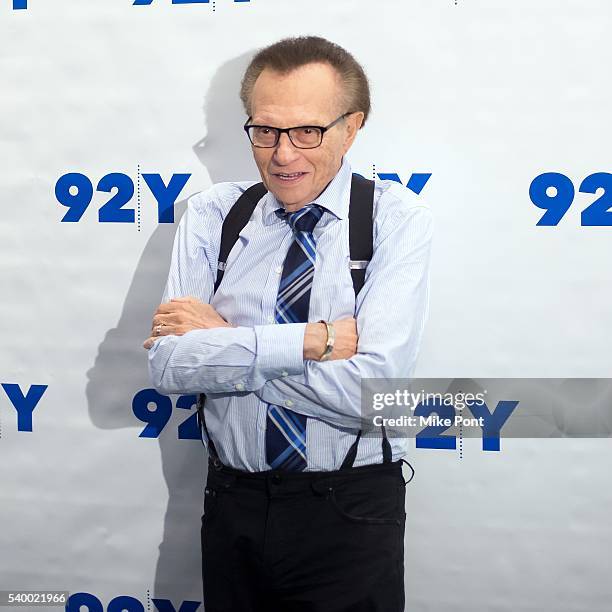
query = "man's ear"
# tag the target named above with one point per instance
(353, 123)
(359, 119)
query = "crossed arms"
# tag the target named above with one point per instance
(199, 351)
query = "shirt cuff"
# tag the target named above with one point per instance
(280, 349)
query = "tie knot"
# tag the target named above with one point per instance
(303, 220)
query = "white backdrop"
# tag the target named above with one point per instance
(484, 95)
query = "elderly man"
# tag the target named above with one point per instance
(282, 295)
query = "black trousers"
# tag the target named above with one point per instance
(279, 541)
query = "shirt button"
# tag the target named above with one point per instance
(279, 269)
(239, 386)
(288, 403)
(284, 373)
(270, 319)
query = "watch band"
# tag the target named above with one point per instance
(331, 338)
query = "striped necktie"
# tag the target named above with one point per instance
(285, 429)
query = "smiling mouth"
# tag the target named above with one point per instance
(287, 177)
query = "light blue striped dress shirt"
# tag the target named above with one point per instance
(243, 368)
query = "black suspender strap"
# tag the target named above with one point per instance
(234, 222)
(386, 446)
(360, 228)
(349, 458)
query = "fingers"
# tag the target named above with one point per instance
(149, 342)
(175, 305)
(168, 307)
(167, 318)
(187, 298)
(178, 304)
(164, 320)
(183, 314)
(159, 328)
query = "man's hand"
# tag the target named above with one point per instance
(180, 315)
(345, 345)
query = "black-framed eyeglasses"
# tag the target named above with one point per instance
(302, 136)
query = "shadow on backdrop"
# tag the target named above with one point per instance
(121, 362)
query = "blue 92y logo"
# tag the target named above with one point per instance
(554, 193)
(157, 418)
(75, 191)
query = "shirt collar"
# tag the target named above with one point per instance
(334, 198)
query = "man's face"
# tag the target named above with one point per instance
(309, 95)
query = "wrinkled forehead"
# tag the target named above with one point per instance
(309, 95)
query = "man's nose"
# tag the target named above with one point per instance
(285, 152)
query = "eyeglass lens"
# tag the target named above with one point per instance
(301, 137)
